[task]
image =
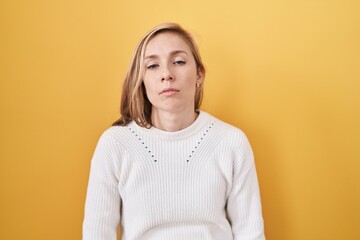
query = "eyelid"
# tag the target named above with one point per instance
(152, 66)
(180, 62)
(179, 59)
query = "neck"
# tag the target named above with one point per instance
(172, 121)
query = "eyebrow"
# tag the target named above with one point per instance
(171, 54)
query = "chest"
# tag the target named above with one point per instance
(174, 191)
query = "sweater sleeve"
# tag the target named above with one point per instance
(102, 206)
(243, 203)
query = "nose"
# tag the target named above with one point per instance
(167, 75)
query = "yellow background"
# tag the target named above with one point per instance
(286, 72)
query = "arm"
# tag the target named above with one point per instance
(243, 204)
(102, 207)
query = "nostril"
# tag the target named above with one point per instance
(166, 78)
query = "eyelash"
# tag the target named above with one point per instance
(153, 66)
(180, 62)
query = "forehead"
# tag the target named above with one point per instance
(166, 42)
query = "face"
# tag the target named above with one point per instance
(171, 74)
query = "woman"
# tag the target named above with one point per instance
(166, 169)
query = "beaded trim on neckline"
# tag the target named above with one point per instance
(152, 154)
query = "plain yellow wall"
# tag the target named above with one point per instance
(286, 72)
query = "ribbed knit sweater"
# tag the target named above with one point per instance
(193, 184)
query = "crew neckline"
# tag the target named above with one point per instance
(192, 129)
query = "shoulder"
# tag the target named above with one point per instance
(232, 145)
(230, 132)
(110, 148)
(232, 141)
(114, 134)
(112, 140)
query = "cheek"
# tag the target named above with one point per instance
(191, 77)
(150, 90)
(149, 80)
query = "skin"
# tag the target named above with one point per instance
(170, 81)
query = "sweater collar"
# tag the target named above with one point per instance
(202, 120)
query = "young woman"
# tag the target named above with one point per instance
(167, 170)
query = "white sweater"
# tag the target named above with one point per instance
(193, 184)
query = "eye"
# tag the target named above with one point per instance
(179, 62)
(152, 66)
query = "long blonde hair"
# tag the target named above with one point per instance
(135, 106)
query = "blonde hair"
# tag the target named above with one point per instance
(135, 106)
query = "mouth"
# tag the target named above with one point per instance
(169, 91)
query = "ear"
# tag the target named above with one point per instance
(199, 76)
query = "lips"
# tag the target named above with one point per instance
(169, 91)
